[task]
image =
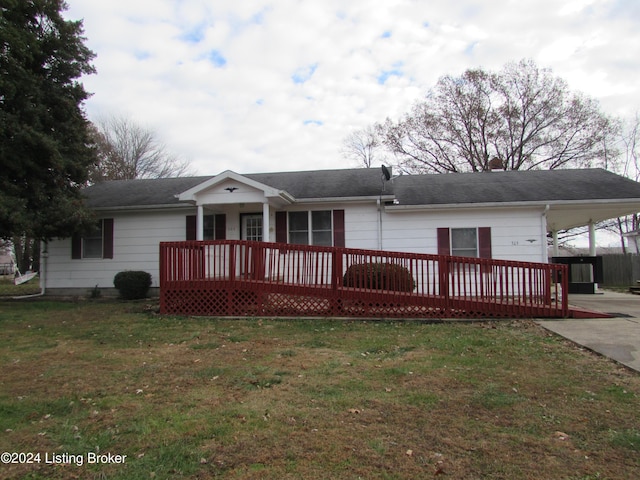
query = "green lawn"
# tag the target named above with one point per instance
(259, 398)
(8, 289)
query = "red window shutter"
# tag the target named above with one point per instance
(281, 227)
(191, 227)
(444, 243)
(220, 223)
(107, 238)
(484, 242)
(76, 246)
(338, 228)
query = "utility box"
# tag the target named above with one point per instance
(584, 272)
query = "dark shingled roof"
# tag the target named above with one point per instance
(356, 182)
(514, 186)
(145, 192)
(444, 189)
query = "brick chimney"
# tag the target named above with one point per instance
(495, 164)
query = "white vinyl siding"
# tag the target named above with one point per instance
(516, 234)
(136, 244)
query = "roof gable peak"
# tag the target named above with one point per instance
(192, 193)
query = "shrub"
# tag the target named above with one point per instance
(132, 284)
(379, 276)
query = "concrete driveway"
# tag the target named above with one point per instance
(617, 338)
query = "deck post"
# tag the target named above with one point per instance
(232, 263)
(336, 280)
(443, 270)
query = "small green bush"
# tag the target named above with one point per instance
(379, 276)
(132, 284)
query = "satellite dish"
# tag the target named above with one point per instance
(386, 173)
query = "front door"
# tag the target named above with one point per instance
(252, 266)
(251, 226)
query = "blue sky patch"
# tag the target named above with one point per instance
(194, 35)
(216, 58)
(395, 71)
(470, 47)
(384, 76)
(303, 74)
(240, 23)
(313, 122)
(386, 34)
(142, 55)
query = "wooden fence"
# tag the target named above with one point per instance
(620, 270)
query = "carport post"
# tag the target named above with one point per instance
(592, 238)
(554, 235)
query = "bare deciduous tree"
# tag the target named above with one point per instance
(127, 151)
(629, 166)
(522, 115)
(362, 146)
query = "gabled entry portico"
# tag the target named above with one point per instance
(240, 198)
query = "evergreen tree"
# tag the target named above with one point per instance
(45, 150)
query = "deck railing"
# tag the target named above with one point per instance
(238, 278)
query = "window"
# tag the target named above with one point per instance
(92, 243)
(464, 242)
(208, 229)
(299, 228)
(315, 227)
(97, 243)
(321, 232)
(214, 227)
(468, 242)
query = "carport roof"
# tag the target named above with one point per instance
(575, 197)
(514, 186)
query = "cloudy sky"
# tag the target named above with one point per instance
(275, 85)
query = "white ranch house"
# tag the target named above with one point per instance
(501, 215)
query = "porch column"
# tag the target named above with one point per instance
(554, 234)
(592, 239)
(265, 222)
(200, 223)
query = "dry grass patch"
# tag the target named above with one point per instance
(260, 398)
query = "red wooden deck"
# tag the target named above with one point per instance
(240, 278)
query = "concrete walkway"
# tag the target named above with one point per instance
(617, 338)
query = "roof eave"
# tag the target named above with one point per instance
(536, 203)
(364, 198)
(146, 208)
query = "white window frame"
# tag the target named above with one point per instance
(310, 231)
(476, 248)
(97, 236)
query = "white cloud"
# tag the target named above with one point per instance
(260, 85)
